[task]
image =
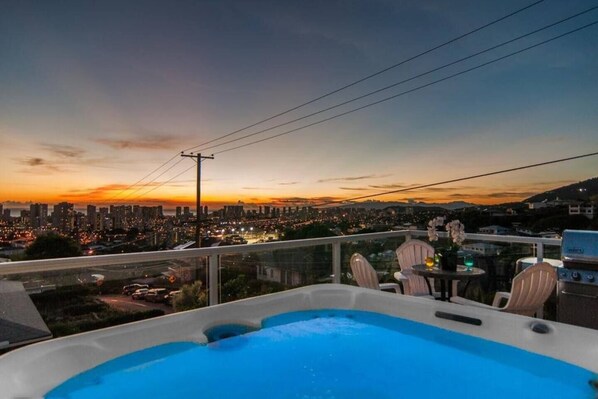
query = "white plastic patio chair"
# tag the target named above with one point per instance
(530, 289)
(366, 275)
(414, 252)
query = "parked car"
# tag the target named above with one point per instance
(139, 293)
(131, 288)
(156, 295)
(171, 296)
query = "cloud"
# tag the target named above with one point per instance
(64, 151)
(34, 161)
(145, 141)
(395, 186)
(555, 183)
(95, 192)
(302, 201)
(447, 189)
(107, 187)
(255, 188)
(288, 183)
(37, 165)
(351, 178)
(507, 194)
(501, 194)
(121, 192)
(64, 159)
(355, 188)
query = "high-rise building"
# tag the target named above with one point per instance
(178, 212)
(233, 211)
(118, 216)
(24, 216)
(104, 219)
(1, 210)
(38, 215)
(6, 214)
(92, 217)
(205, 211)
(267, 210)
(80, 221)
(63, 217)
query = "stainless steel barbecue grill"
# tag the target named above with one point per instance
(577, 290)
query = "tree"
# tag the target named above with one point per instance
(562, 222)
(52, 246)
(314, 230)
(190, 297)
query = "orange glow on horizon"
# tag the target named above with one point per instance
(215, 202)
(215, 196)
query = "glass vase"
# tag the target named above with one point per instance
(449, 260)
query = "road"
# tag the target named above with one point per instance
(128, 304)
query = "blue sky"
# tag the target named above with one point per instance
(97, 94)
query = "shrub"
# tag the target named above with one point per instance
(190, 297)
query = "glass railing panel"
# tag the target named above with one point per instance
(498, 260)
(501, 262)
(81, 299)
(84, 299)
(258, 273)
(380, 253)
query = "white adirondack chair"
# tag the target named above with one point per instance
(414, 252)
(530, 289)
(366, 276)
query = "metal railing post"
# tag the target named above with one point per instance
(408, 235)
(213, 264)
(540, 251)
(336, 262)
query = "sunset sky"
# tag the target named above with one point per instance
(94, 95)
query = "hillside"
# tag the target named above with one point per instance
(583, 191)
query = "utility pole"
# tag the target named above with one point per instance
(198, 158)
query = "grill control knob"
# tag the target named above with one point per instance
(575, 276)
(590, 278)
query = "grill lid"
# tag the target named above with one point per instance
(580, 246)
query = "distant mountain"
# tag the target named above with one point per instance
(582, 191)
(382, 205)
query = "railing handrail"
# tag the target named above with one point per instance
(83, 262)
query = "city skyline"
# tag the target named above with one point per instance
(97, 95)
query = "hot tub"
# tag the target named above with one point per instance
(326, 341)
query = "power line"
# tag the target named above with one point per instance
(408, 91)
(163, 183)
(372, 75)
(402, 81)
(143, 178)
(151, 181)
(535, 165)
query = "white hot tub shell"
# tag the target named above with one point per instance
(32, 371)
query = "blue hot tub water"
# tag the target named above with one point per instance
(333, 354)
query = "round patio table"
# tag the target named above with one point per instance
(446, 277)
